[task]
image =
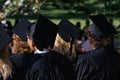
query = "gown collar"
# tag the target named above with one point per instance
(40, 52)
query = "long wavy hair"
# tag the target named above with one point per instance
(19, 45)
(64, 47)
(5, 64)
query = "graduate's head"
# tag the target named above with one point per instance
(97, 39)
(19, 43)
(67, 34)
(67, 31)
(20, 28)
(43, 33)
(19, 46)
(101, 31)
(62, 46)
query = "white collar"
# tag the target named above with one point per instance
(40, 52)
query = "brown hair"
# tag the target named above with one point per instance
(64, 47)
(99, 42)
(20, 46)
(5, 64)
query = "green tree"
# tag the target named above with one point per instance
(25, 7)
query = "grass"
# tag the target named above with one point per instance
(72, 20)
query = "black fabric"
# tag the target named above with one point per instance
(103, 25)
(20, 28)
(67, 30)
(21, 63)
(52, 66)
(4, 38)
(45, 32)
(116, 66)
(96, 65)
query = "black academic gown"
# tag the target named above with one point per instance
(21, 63)
(116, 66)
(96, 65)
(52, 66)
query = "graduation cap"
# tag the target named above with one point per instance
(4, 38)
(67, 30)
(30, 30)
(45, 31)
(20, 28)
(101, 27)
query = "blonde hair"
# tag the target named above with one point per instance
(20, 46)
(5, 64)
(64, 47)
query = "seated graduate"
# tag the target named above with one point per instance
(65, 40)
(5, 64)
(98, 63)
(52, 65)
(22, 56)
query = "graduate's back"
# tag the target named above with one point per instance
(100, 62)
(52, 66)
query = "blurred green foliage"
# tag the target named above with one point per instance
(27, 7)
(74, 10)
